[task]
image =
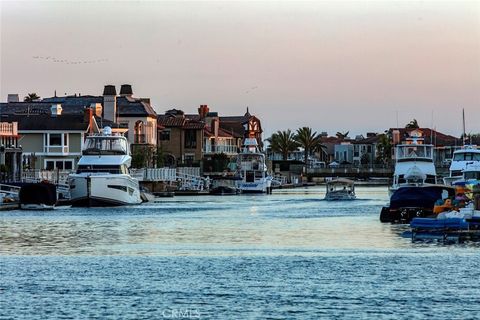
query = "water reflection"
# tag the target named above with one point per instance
(289, 221)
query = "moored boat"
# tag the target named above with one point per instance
(251, 168)
(102, 177)
(38, 196)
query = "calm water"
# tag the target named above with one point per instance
(289, 255)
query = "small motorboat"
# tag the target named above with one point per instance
(38, 196)
(340, 189)
(224, 191)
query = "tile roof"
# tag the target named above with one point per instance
(45, 122)
(126, 106)
(432, 136)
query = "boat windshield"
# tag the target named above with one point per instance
(113, 169)
(466, 156)
(105, 146)
(413, 151)
(472, 175)
(252, 162)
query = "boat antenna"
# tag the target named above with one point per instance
(464, 135)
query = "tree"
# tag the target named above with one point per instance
(412, 124)
(384, 149)
(31, 97)
(283, 142)
(308, 140)
(342, 135)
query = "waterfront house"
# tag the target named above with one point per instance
(344, 153)
(51, 140)
(10, 152)
(180, 139)
(365, 149)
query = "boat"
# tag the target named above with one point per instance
(467, 156)
(416, 201)
(251, 168)
(38, 196)
(102, 177)
(340, 189)
(414, 190)
(414, 165)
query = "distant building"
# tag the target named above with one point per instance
(344, 153)
(365, 149)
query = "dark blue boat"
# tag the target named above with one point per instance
(409, 202)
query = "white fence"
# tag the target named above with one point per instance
(55, 176)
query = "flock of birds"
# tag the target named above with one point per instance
(66, 61)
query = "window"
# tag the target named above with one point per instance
(50, 165)
(59, 164)
(369, 148)
(190, 138)
(189, 158)
(55, 139)
(165, 135)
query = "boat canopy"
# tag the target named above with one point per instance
(105, 145)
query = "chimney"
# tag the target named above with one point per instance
(126, 90)
(110, 103)
(13, 98)
(396, 136)
(203, 110)
(97, 109)
(56, 110)
(88, 118)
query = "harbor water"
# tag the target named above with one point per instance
(290, 255)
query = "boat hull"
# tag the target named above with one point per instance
(252, 187)
(89, 190)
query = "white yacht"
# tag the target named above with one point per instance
(251, 168)
(414, 165)
(467, 156)
(102, 177)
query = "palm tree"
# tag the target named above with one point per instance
(308, 140)
(283, 142)
(342, 135)
(412, 124)
(31, 97)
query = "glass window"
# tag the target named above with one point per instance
(190, 138)
(59, 165)
(55, 139)
(50, 165)
(165, 135)
(68, 165)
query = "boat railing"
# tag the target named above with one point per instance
(9, 189)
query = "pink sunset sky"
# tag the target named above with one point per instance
(334, 66)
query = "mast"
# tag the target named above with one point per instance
(464, 134)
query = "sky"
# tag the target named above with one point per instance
(334, 66)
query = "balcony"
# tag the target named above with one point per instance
(227, 149)
(8, 129)
(56, 150)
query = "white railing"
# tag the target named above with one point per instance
(56, 149)
(228, 149)
(193, 171)
(154, 174)
(55, 176)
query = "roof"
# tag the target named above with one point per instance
(44, 122)
(432, 136)
(126, 106)
(180, 122)
(370, 140)
(221, 133)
